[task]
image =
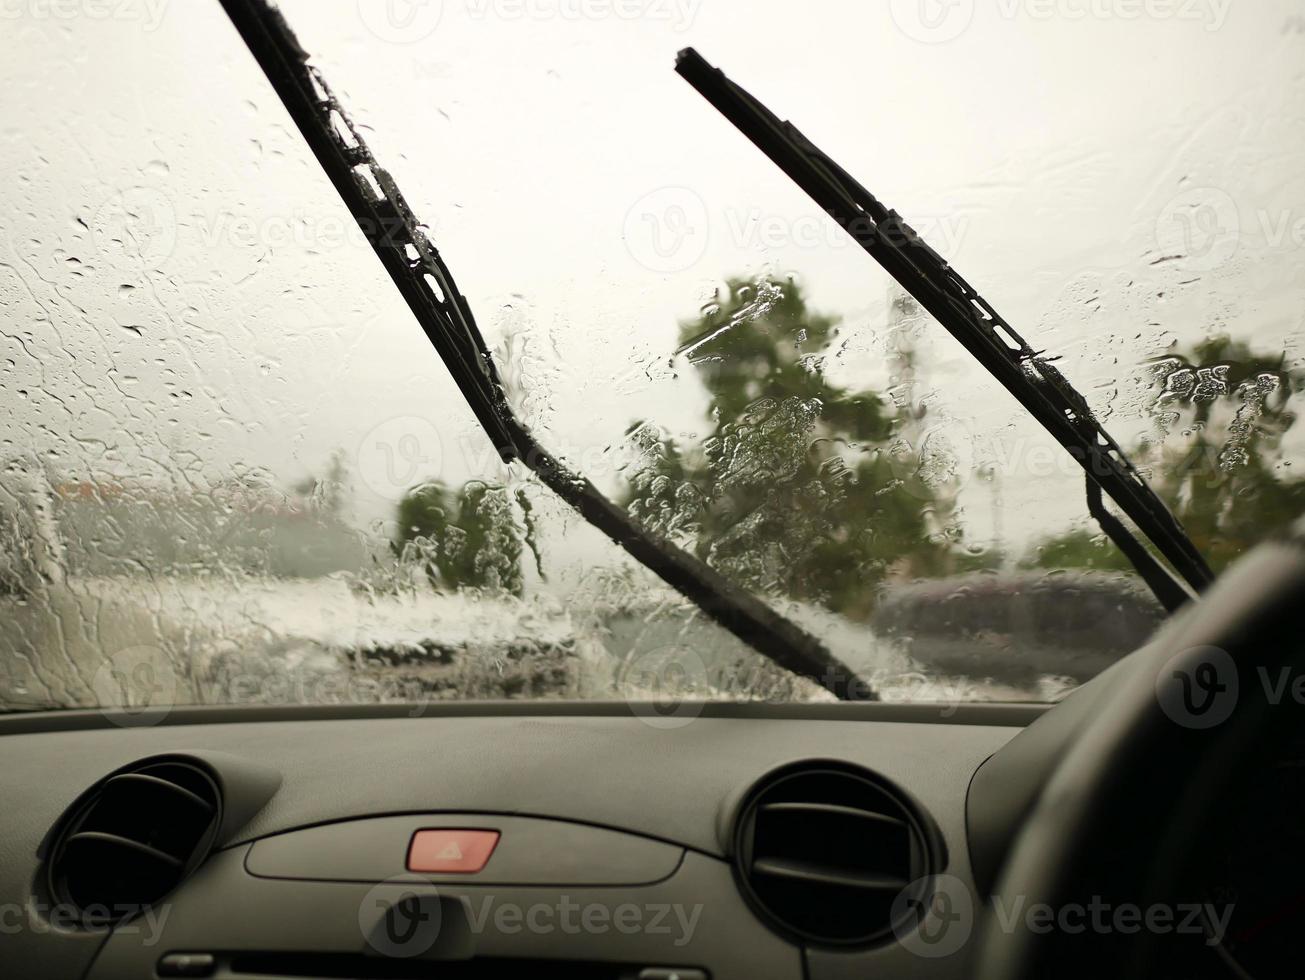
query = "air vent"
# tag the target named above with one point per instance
(823, 850)
(133, 838)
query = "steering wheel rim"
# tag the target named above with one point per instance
(1117, 819)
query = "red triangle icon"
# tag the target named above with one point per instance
(450, 852)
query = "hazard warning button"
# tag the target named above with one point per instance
(458, 852)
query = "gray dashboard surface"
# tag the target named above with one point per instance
(616, 772)
(672, 784)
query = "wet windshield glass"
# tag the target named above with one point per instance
(234, 471)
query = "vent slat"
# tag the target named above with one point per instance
(133, 780)
(819, 875)
(100, 839)
(833, 810)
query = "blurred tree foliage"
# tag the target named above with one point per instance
(802, 488)
(463, 539)
(1224, 476)
(329, 492)
(820, 493)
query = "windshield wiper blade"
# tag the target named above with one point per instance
(1036, 383)
(426, 283)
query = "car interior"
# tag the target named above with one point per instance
(690, 740)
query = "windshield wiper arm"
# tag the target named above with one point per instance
(1036, 383)
(426, 283)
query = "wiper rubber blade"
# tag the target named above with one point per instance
(1036, 383)
(424, 280)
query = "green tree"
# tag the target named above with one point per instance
(802, 487)
(328, 493)
(463, 539)
(1226, 480)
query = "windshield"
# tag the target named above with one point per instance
(234, 471)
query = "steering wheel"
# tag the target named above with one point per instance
(1119, 818)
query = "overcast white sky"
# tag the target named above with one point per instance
(587, 198)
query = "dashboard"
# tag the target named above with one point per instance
(613, 853)
(543, 840)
